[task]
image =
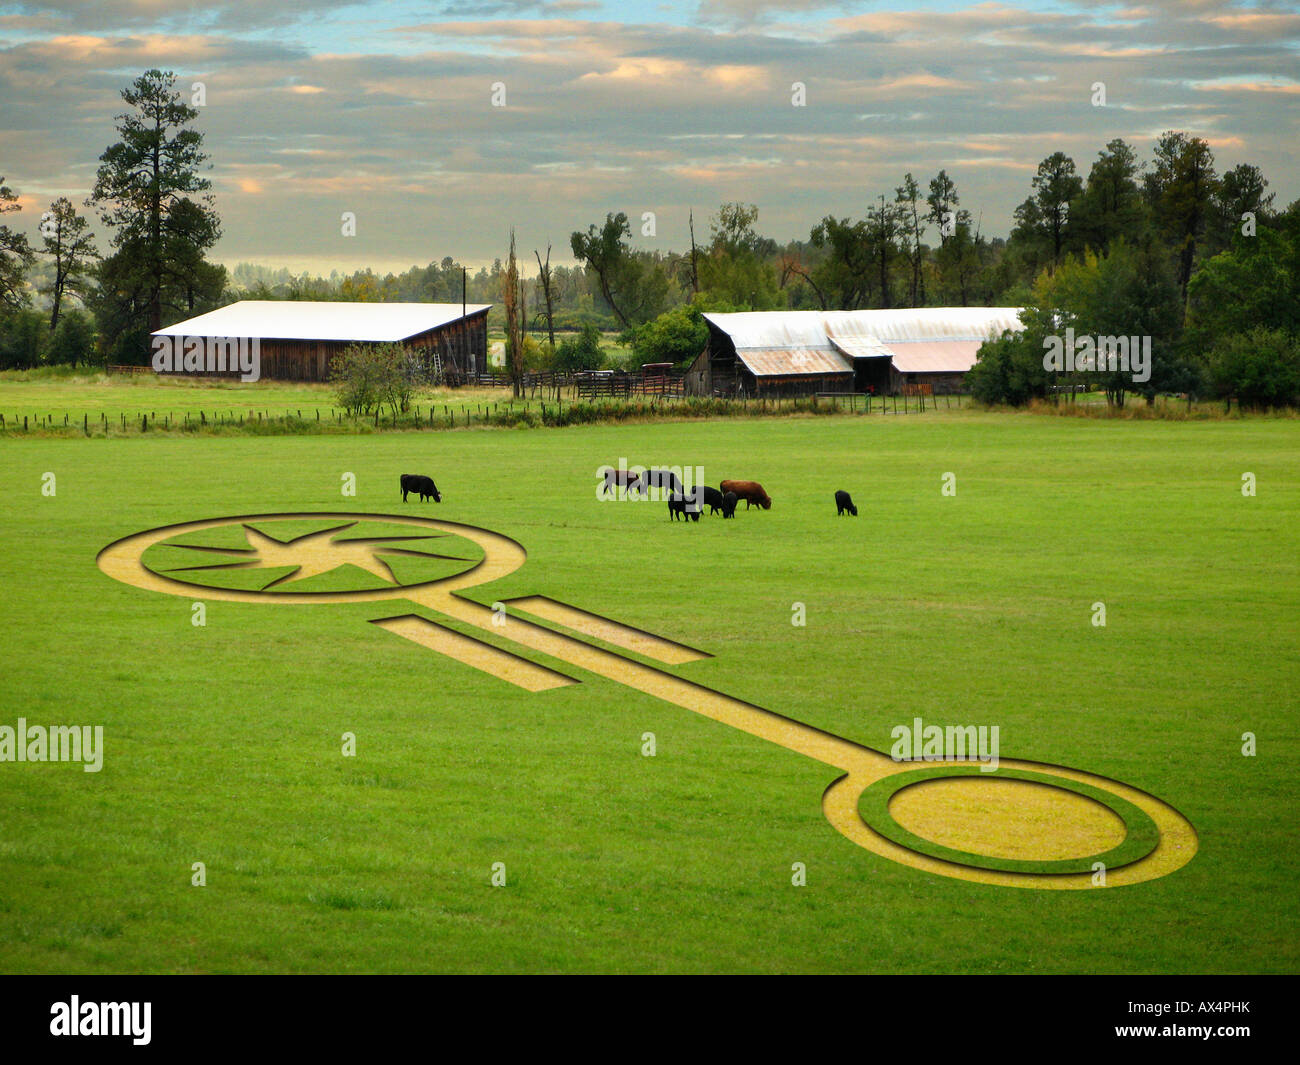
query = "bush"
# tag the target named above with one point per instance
(582, 352)
(370, 376)
(1009, 370)
(676, 336)
(538, 354)
(24, 335)
(73, 340)
(1261, 369)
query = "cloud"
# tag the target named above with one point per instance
(316, 109)
(477, 9)
(1290, 88)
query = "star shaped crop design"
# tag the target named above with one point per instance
(313, 554)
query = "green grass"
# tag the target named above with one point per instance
(38, 394)
(223, 742)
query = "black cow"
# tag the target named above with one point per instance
(663, 479)
(712, 498)
(616, 479)
(423, 486)
(844, 504)
(686, 506)
(729, 501)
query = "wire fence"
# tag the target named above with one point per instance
(558, 407)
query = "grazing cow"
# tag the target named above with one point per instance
(665, 480)
(712, 498)
(729, 505)
(750, 492)
(424, 486)
(624, 479)
(844, 504)
(686, 506)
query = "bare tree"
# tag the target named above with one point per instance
(695, 273)
(908, 196)
(544, 276)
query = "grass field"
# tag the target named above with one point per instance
(222, 743)
(95, 394)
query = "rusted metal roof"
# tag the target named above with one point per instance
(862, 347)
(321, 320)
(935, 356)
(793, 362)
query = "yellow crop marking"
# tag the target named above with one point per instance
(1003, 817)
(476, 653)
(600, 628)
(861, 766)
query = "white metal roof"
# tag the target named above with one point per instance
(923, 323)
(325, 320)
(774, 329)
(917, 339)
(934, 356)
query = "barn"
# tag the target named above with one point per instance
(298, 339)
(926, 349)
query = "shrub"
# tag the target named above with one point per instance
(24, 335)
(1261, 369)
(582, 352)
(370, 376)
(73, 340)
(1009, 370)
(676, 336)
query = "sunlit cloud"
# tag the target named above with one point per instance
(316, 108)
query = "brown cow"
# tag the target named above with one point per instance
(749, 491)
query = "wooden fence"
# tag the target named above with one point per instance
(906, 402)
(594, 384)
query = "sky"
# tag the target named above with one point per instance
(389, 110)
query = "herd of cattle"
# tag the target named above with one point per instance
(690, 503)
(686, 503)
(682, 503)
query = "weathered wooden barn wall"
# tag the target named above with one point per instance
(699, 377)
